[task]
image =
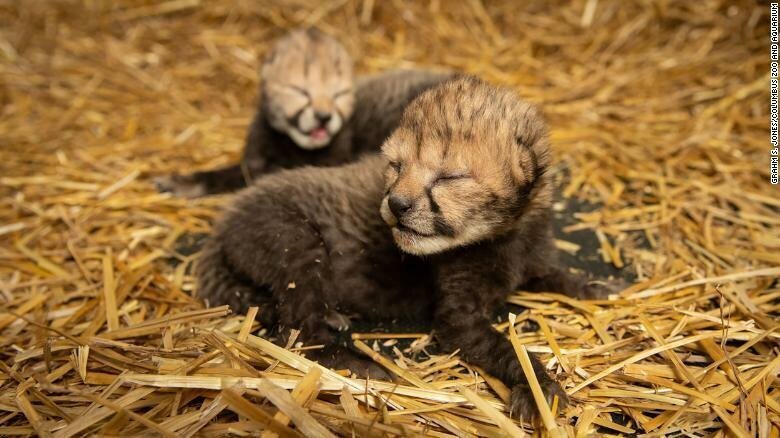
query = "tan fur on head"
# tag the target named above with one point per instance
(467, 164)
(308, 87)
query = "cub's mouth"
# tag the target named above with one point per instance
(311, 139)
(402, 232)
(319, 133)
(407, 239)
(403, 229)
(311, 130)
(418, 234)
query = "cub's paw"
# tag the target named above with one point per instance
(366, 369)
(522, 404)
(337, 321)
(600, 290)
(340, 358)
(183, 186)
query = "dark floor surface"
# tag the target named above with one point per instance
(586, 261)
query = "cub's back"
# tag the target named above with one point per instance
(380, 102)
(344, 198)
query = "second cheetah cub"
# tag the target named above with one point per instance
(455, 214)
(312, 111)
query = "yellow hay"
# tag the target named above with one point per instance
(659, 120)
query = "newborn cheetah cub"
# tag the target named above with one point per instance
(312, 111)
(455, 214)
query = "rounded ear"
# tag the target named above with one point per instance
(529, 167)
(525, 164)
(531, 125)
(268, 60)
(533, 146)
(315, 33)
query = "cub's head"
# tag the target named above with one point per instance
(467, 164)
(308, 88)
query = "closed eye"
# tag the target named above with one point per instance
(299, 90)
(342, 93)
(450, 177)
(396, 166)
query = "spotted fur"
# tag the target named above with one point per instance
(470, 161)
(312, 112)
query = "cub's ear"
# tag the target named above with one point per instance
(315, 33)
(526, 166)
(532, 141)
(531, 125)
(268, 60)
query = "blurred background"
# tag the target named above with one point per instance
(659, 121)
(647, 100)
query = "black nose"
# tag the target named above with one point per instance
(399, 205)
(322, 116)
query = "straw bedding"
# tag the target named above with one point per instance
(659, 120)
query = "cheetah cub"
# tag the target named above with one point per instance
(312, 111)
(452, 216)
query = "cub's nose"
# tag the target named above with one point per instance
(399, 205)
(322, 116)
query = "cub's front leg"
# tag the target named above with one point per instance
(470, 291)
(557, 279)
(294, 269)
(226, 179)
(543, 273)
(208, 182)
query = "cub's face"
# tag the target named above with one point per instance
(466, 164)
(308, 88)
